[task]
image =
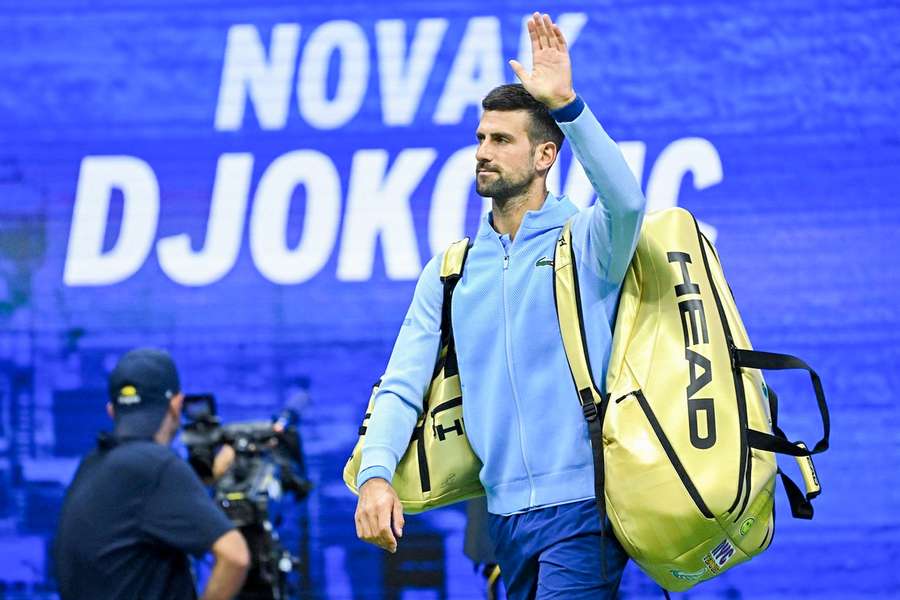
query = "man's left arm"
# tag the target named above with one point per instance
(616, 220)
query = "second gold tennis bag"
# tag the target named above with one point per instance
(684, 439)
(439, 467)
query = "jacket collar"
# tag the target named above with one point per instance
(554, 213)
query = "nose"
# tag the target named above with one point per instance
(482, 155)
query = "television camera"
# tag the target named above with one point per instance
(268, 463)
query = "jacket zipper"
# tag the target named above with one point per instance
(744, 470)
(512, 379)
(673, 458)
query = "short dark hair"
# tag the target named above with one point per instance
(513, 96)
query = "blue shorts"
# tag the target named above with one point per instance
(555, 552)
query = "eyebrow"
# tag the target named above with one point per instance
(494, 134)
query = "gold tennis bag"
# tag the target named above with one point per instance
(688, 425)
(439, 467)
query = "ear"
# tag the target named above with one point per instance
(176, 403)
(544, 156)
(111, 411)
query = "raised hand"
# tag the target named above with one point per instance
(550, 80)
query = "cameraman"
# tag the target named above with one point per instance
(135, 510)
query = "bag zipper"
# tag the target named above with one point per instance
(744, 470)
(446, 406)
(673, 457)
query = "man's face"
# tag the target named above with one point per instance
(505, 155)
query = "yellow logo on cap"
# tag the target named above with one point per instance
(128, 395)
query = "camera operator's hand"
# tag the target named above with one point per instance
(378, 506)
(223, 461)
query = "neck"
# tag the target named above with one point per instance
(166, 431)
(507, 213)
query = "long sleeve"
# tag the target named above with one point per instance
(614, 222)
(399, 400)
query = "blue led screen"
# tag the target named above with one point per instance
(256, 186)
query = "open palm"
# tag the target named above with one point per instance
(550, 80)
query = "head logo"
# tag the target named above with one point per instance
(696, 335)
(746, 525)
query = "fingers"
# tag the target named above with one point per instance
(540, 32)
(548, 38)
(384, 535)
(374, 513)
(533, 35)
(544, 33)
(358, 522)
(560, 38)
(375, 529)
(519, 70)
(398, 519)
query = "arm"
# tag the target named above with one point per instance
(232, 564)
(615, 221)
(396, 409)
(180, 514)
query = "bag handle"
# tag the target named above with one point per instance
(779, 442)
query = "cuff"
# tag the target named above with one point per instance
(371, 473)
(569, 112)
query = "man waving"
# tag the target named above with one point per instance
(522, 414)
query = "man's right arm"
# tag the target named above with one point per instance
(398, 403)
(180, 514)
(396, 409)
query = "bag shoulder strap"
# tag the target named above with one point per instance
(571, 321)
(454, 259)
(451, 272)
(571, 325)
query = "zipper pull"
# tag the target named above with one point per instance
(505, 262)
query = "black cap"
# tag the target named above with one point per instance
(140, 388)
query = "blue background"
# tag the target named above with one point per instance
(799, 99)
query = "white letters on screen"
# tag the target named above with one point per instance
(378, 208)
(249, 73)
(271, 210)
(86, 262)
(348, 40)
(224, 231)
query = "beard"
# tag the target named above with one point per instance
(500, 187)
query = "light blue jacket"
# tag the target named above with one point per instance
(520, 406)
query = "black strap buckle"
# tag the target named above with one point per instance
(590, 412)
(588, 407)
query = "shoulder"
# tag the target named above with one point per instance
(142, 460)
(143, 452)
(430, 277)
(432, 268)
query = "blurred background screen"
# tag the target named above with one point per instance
(256, 186)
